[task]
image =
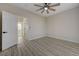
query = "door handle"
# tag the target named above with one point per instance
(4, 32)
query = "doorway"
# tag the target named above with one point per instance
(22, 29)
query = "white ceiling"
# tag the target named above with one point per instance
(30, 7)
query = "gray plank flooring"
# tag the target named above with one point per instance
(43, 47)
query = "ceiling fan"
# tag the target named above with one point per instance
(46, 7)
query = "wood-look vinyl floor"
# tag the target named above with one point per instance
(43, 47)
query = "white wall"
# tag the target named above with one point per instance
(36, 22)
(37, 27)
(64, 25)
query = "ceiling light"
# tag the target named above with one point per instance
(45, 8)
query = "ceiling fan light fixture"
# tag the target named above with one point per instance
(46, 8)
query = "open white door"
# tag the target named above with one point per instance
(9, 30)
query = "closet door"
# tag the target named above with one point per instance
(9, 30)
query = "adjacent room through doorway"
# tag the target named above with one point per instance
(22, 29)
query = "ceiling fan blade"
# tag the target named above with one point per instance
(38, 5)
(47, 11)
(42, 11)
(39, 9)
(58, 4)
(52, 9)
(49, 4)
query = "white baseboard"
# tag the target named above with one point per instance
(75, 40)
